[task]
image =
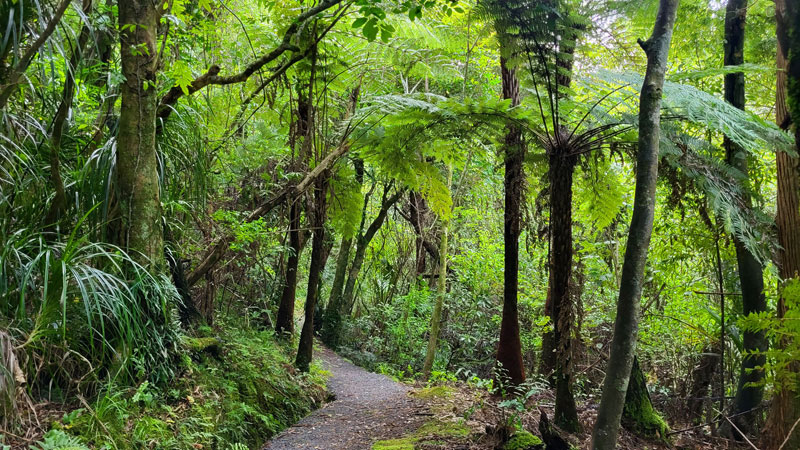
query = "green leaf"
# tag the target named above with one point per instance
(358, 23)
(182, 75)
(370, 29)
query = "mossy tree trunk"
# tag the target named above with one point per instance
(639, 415)
(332, 316)
(139, 223)
(626, 325)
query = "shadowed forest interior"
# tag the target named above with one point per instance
(399, 224)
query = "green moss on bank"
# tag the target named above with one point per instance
(242, 394)
(428, 432)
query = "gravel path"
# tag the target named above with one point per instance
(368, 407)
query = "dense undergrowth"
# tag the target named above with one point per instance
(235, 388)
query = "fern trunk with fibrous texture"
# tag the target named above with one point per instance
(509, 348)
(785, 410)
(750, 390)
(562, 168)
(626, 325)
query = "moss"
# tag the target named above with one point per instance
(425, 434)
(395, 444)
(639, 415)
(201, 344)
(436, 427)
(645, 421)
(524, 441)
(434, 392)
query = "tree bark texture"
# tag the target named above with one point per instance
(436, 317)
(509, 348)
(785, 409)
(318, 259)
(749, 391)
(284, 321)
(626, 325)
(139, 227)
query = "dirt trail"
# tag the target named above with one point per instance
(368, 407)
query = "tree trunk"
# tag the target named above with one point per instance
(702, 374)
(419, 216)
(332, 318)
(361, 248)
(749, 392)
(626, 325)
(59, 202)
(638, 415)
(318, 259)
(785, 410)
(284, 322)
(139, 227)
(436, 317)
(562, 167)
(509, 347)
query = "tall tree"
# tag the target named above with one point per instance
(785, 411)
(626, 325)
(301, 142)
(284, 321)
(436, 317)
(317, 266)
(139, 225)
(362, 243)
(509, 348)
(562, 160)
(750, 391)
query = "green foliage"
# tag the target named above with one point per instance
(784, 335)
(524, 440)
(346, 202)
(240, 398)
(59, 440)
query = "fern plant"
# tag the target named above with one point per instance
(59, 440)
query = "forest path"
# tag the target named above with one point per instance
(368, 407)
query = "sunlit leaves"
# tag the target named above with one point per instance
(182, 75)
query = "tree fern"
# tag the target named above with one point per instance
(402, 135)
(690, 104)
